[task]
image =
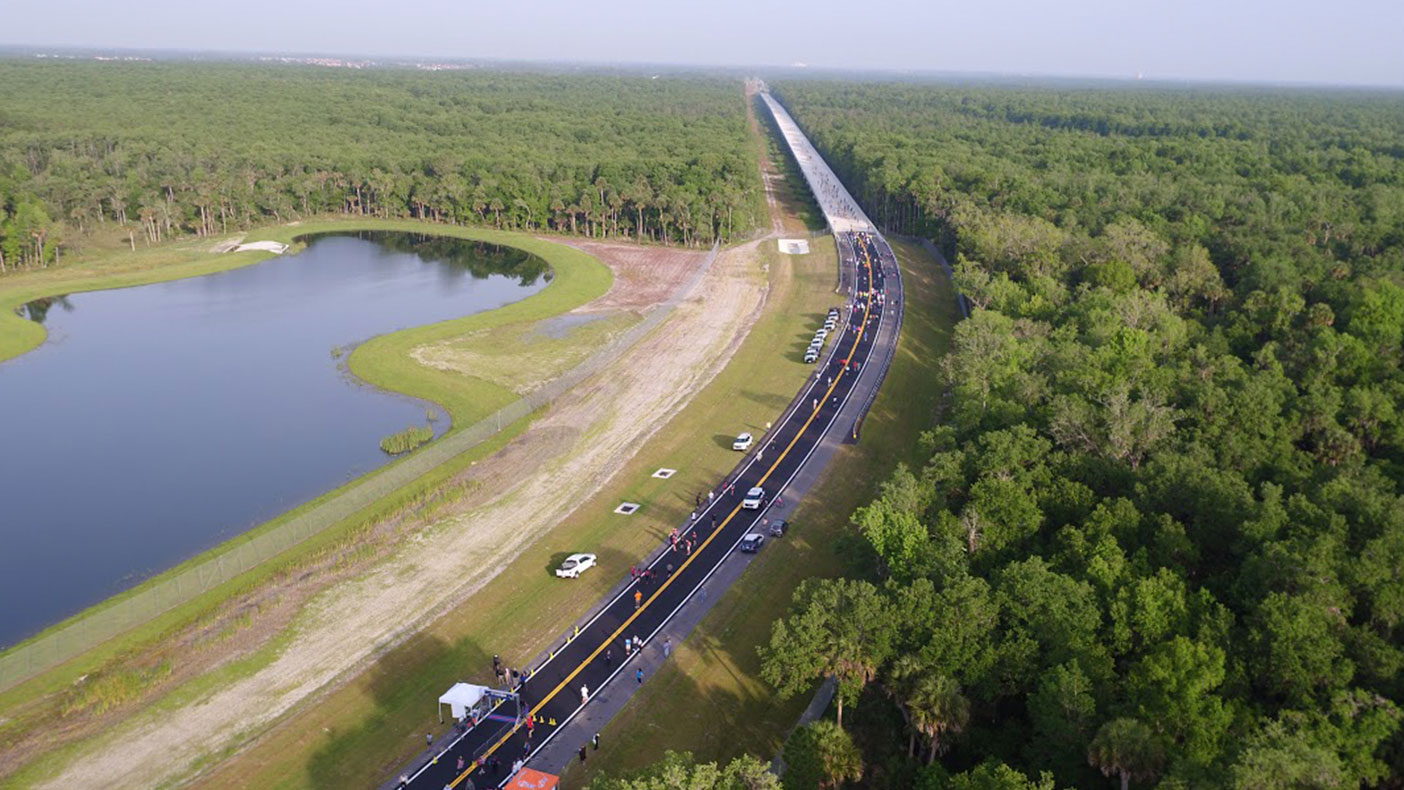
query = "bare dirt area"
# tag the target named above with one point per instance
(537, 479)
(524, 357)
(643, 276)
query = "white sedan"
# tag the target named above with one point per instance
(742, 443)
(574, 565)
(753, 499)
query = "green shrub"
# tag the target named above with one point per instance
(406, 440)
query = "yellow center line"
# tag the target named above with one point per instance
(867, 263)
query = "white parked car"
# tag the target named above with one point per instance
(753, 499)
(574, 565)
(743, 442)
(812, 355)
(821, 334)
(752, 542)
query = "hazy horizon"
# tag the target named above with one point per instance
(1199, 40)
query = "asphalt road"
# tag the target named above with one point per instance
(563, 685)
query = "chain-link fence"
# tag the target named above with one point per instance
(154, 598)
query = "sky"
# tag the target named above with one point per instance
(1358, 42)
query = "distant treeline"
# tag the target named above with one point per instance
(177, 149)
(1159, 534)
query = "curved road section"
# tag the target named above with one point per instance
(582, 680)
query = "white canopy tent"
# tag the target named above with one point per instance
(462, 698)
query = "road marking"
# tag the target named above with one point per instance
(862, 327)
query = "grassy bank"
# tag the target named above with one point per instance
(577, 279)
(709, 698)
(357, 735)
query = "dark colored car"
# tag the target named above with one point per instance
(779, 527)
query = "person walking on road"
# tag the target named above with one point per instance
(638, 598)
(639, 676)
(596, 741)
(626, 647)
(531, 725)
(582, 753)
(429, 739)
(459, 767)
(609, 658)
(584, 694)
(667, 646)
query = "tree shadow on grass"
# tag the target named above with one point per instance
(404, 684)
(770, 400)
(704, 721)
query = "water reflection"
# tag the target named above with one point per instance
(38, 310)
(457, 257)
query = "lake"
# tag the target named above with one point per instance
(158, 421)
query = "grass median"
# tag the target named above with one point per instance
(708, 698)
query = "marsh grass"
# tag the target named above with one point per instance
(406, 440)
(103, 691)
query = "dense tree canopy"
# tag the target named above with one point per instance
(179, 148)
(1159, 537)
(679, 771)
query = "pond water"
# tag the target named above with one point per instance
(158, 421)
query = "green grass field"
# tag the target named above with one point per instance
(709, 699)
(358, 735)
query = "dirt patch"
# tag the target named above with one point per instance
(643, 276)
(537, 479)
(525, 356)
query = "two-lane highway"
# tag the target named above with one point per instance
(558, 688)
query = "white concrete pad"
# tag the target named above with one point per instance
(794, 246)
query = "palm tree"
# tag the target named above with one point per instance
(839, 758)
(1126, 747)
(937, 708)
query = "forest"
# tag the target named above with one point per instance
(163, 150)
(1158, 540)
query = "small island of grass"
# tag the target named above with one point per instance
(406, 440)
